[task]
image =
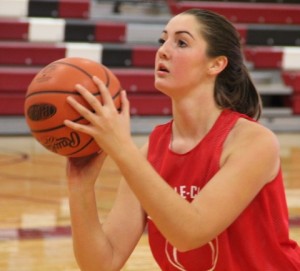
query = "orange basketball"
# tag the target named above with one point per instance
(46, 107)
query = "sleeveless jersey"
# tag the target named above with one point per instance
(258, 240)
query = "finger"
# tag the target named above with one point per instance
(105, 93)
(125, 103)
(83, 128)
(81, 109)
(89, 98)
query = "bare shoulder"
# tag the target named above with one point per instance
(254, 143)
(252, 133)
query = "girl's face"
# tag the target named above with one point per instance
(181, 62)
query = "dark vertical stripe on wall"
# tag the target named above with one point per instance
(46, 8)
(117, 56)
(272, 35)
(79, 31)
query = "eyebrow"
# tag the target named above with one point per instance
(180, 32)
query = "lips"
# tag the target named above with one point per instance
(162, 68)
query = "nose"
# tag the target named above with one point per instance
(163, 51)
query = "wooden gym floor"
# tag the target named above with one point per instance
(34, 215)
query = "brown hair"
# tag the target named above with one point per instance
(234, 88)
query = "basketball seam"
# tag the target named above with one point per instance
(56, 127)
(107, 83)
(74, 66)
(57, 92)
(85, 72)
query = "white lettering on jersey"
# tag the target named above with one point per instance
(187, 192)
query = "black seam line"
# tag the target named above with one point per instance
(85, 72)
(107, 79)
(62, 125)
(72, 93)
(56, 127)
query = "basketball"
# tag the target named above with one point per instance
(46, 107)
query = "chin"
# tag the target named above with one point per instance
(161, 88)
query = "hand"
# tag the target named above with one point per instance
(83, 171)
(109, 128)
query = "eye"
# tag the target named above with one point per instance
(181, 44)
(161, 41)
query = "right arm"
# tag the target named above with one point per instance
(100, 246)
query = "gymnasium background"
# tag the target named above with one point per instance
(34, 219)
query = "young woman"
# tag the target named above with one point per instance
(208, 183)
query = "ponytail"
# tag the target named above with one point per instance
(237, 92)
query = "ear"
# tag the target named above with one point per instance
(217, 65)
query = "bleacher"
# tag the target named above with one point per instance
(34, 33)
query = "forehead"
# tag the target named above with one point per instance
(183, 22)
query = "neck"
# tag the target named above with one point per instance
(192, 118)
(192, 122)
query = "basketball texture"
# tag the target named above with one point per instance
(46, 107)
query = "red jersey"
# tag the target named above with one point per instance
(258, 240)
